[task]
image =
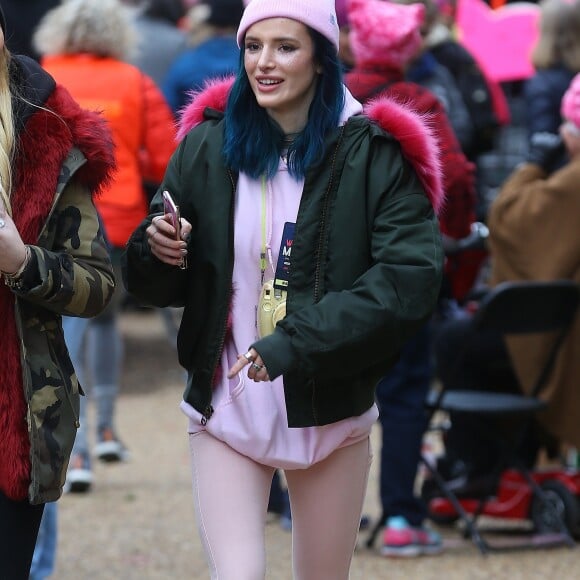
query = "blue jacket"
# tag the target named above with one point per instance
(216, 57)
(543, 93)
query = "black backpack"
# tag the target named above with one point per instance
(475, 92)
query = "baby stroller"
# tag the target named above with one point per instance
(547, 499)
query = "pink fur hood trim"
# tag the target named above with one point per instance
(418, 143)
(214, 95)
(412, 130)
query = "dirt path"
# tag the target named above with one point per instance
(137, 523)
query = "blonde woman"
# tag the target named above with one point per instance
(85, 45)
(556, 58)
(53, 261)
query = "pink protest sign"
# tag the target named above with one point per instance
(501, 40)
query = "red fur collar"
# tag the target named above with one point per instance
(44, 144)
(412, 130)
(48, 138)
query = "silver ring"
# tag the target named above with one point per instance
(248, 357)
(257, 367)
(2, 223)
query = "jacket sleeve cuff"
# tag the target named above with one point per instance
(276, 352)
(30, 278)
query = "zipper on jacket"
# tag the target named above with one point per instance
(207, 414)
(323, 216)
(208, 411)
(77, 422)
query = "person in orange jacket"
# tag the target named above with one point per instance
(85, 46)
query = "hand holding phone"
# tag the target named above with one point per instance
(172, 209)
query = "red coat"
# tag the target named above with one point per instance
(43, 147)
(458, 212)
(142, 125)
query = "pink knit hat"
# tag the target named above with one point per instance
(341, 13)
(318, 14)
(571, 102)
(383, 33)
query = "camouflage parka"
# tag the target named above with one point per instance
(64, 156)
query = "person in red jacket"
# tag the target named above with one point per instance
(54, 158)
(84, 45)
(384, 38)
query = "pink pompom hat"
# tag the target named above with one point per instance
(318, 14)
(341, 13)
(571, 102)
(384, 34)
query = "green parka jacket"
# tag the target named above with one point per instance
(366, 260)
(64, 156)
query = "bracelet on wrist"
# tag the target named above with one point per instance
(11, 279)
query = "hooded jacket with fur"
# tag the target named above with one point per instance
(64, 155)
(366, 258)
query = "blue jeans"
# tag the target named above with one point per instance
(401, 400)
(278, 501)
(44, 557)
(96, 350)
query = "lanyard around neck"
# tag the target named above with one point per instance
(263, 261)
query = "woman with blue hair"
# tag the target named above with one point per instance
(313, 254)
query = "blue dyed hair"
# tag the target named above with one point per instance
(252, 144)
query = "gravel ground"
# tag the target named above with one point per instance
(138, 523)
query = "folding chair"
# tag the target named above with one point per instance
(512, 308)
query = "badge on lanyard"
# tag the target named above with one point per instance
(282, 275)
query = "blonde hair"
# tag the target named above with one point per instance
(559, 39)
(7, 131)
(100, 27)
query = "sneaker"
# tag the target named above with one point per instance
(109, 448)
(400, 539)
(79, 477)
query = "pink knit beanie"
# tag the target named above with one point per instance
(341, 13)
(571, 102)
(383, 33)
(318, 14)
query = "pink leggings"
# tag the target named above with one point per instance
(231, 498)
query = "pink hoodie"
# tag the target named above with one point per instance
(251, 417)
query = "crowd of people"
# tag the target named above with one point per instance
(326, 157)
